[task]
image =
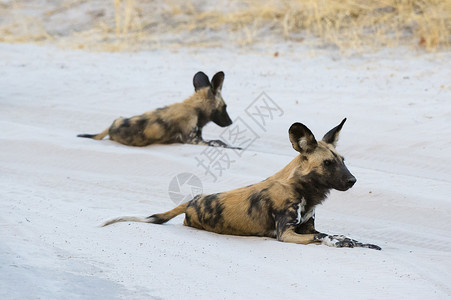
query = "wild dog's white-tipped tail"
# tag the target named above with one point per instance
(155, 219)
(129, 219)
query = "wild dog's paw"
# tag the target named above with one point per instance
(328, 240)
(236, 148)
(343, 242)
(370, 246)
(320, 237)
(342, 238)
(339, 241)
(217, 143)
(347, 242)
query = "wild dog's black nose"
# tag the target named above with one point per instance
(350, 182)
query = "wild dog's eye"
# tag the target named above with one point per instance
(328, 162)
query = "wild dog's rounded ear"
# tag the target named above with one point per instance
(216, 82)
(302, 138)
(332, 136)
(200, 80)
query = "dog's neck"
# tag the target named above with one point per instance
(199, 102)
(304, 182)
(202, 118)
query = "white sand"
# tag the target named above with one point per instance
(55, 188)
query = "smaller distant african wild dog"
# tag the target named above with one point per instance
(283, 205)
(177, 123)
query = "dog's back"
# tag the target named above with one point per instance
(167, 125)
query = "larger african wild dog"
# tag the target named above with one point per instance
(177, 123)
(283, 205)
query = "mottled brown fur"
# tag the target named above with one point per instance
(283, 205)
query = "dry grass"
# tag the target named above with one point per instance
(357, 25)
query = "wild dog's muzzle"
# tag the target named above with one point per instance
(221, 118)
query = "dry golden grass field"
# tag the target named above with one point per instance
(132, 25)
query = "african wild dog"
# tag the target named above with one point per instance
(177, 123)
(283, 205)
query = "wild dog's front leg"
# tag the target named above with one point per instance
(290, 230)
(196, 139)
(307, 226)
(342, 241)
(289, 236)
(287, 226)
